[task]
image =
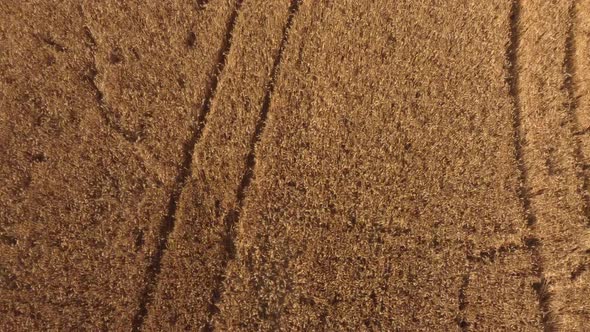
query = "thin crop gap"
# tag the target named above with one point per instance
(105, 109)
(491, 254)
(570, 75)
(543, 295)
(233, 217)
(167, 226)
(578, 271)
(201, 3)
(50, 41)
(90, 36)
(462, 300)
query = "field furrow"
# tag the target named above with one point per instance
(555, 182)
(167, 226)
(382, 172)
(94, 117)
(191, 280)
(295, 165)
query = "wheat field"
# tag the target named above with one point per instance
(302, 165)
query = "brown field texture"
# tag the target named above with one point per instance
(295, 165)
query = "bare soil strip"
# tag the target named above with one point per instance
(371, 207)
(80, 204)
(202, 241)
(551, 158)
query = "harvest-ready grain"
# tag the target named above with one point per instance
(97, 101)
(193, 266)
(301, 165)
(386, 178)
